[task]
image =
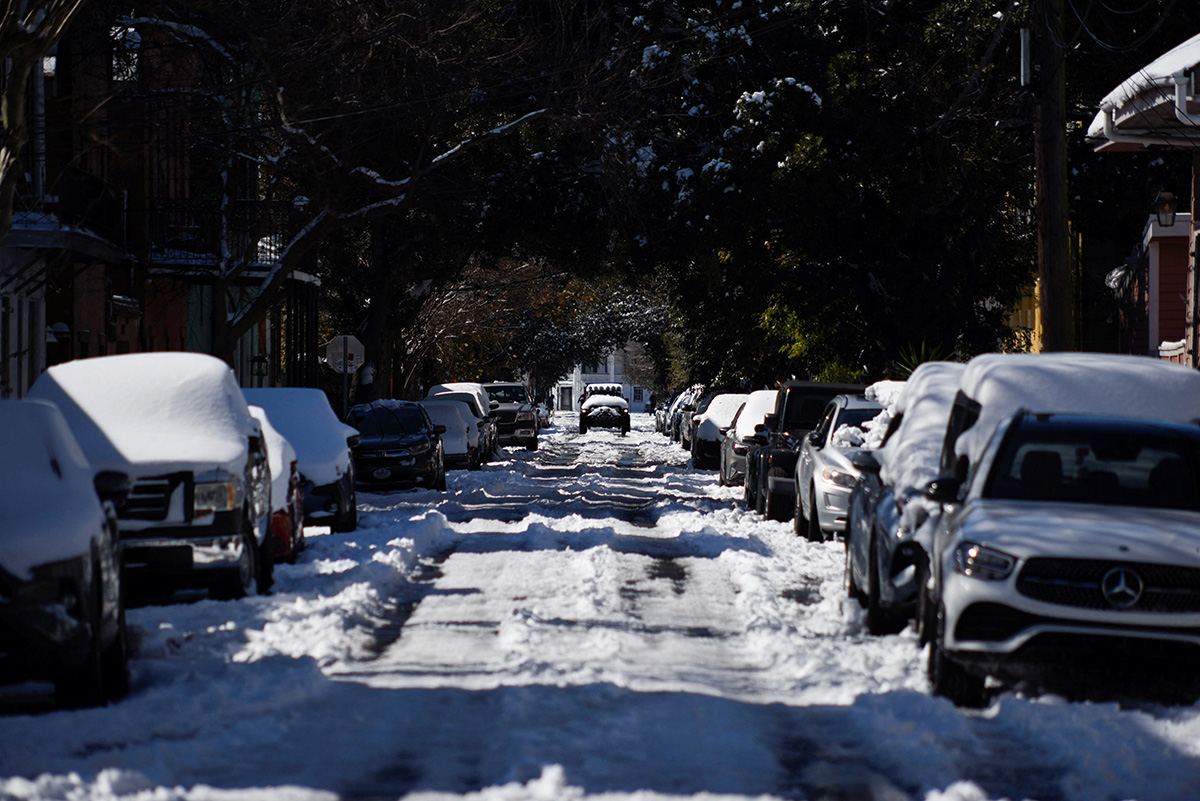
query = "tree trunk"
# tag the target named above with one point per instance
(379, 339)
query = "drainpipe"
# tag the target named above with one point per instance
(1183, 83)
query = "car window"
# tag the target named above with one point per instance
(1111, 468)
(514, 393)
(804, 413)
(380, 420)
(856, 417)
(822, 428)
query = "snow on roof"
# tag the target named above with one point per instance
(481, 395)
(305, 417)
(166, 410)
(1155, 76)
(722, 408)
(759, 404)
(1086, 383)
(911, 457)
(51, 510)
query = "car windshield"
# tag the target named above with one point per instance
(1107, 467)
(383, 420)
(507, 393)
(804, 413)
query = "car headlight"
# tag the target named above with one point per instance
(216, 496)
(840, 478)
(980, 562)
(525, 415)
(419, 448)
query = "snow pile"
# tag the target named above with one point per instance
(886, 394)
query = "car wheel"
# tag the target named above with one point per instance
(582, 426)
(799, 521)
(115, 662)
(949, 679)
(346, 518)
(240, 581)
(880, 621)
(84, 686)
(439, 483)
(297, 506)
(814, 532)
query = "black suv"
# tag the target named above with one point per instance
(400, 446)
(516, 417)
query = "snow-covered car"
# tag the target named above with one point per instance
(684, 403)
(287, 494)
(1071, 562)
(514, 413)
(662, 412)
(890, 524)
(178, 425)
(604, 407)
(322, 443)
(740, 435)
(460, 441)
(824, 473)
(480, 404)
(400, 446)
(61, 613)
(711, 428)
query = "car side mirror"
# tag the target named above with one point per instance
(494, 405)
(439, 429)
(112, 485)
(353, 440)
(865, 461)
(814, 439)
(944, 489)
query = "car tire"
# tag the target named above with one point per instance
(951, 680)
(880, 621)
(346, 518)
(115, 659)
(853, 591)
(799, 521)
(84, 686)
(264, 578)
(814, 532)
(240, 581)
(582, 426)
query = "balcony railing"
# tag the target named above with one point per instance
(192, 231)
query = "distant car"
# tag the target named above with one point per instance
(460, 442)
(400, 446)
(515, 415)
(287, 494)
(685, 403)
(477, 398)
(604, 406)
(889, 528)
(322, 443)
(61, 617)
(741, 435)
(1069, 560)
(662, 412)
(711, 428)
(545, 413)
(825, 474)
(177, 424)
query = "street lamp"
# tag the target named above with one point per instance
(1164, 209)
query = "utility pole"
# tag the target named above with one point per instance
(1050, 159)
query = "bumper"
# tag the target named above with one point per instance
(374, 474)
(784, 485)
(39, 636)
(708, 450)
(517, 436)
(607, 421)
(186, 554)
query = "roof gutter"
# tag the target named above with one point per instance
(1147, 138)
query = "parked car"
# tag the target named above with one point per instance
(460, 441)
(711, 428)
(604, 406)
(61, 618)
(684, 404)
(771, 461)
(322, 443)
(287, 494)
(177, 424)
(475, 397)
(889, 528)
(400, 446)
(740, 436)
(1070, 559)
(515, 415)
(545, 413)
(661, 414)
(688, 420)
(825, 474)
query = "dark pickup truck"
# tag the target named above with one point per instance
(771, 461)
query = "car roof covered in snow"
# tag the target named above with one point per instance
(280, 455)
(168, 410)
(305, 417)
(759, 404)
(454, 415)
(722, 408)
(481, 395)
(1087, 383)
(911, 456)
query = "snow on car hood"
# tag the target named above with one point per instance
(1082, 531)
(163, 411)
(605, 400)
(54, 515)
(305, 417)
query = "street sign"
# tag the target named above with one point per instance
(344, 353)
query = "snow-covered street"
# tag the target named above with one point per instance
(593, 619)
